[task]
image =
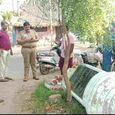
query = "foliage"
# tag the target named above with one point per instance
(40, 98)
(7, 15)
(89, 18)
(0, 1)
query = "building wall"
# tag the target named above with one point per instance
(43, 32)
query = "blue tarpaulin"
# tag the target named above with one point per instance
(106, 65)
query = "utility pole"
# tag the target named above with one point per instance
(13, 5)
(18, 7)
(51, 28)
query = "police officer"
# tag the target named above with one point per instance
(28, 39)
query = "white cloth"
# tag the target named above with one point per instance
(4, 57)
(72, 39)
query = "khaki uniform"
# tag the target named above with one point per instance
(29, 52)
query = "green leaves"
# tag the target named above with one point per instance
(7, 15)
(0, 1)
(89, 17)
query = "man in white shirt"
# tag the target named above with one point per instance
(72, 38)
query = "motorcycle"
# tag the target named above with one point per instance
(48, 61)
(92, 56)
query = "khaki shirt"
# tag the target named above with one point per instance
(31, 34)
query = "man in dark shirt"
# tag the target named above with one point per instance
(5, 51)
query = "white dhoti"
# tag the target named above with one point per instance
(4, 56)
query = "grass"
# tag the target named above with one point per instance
(41, 104)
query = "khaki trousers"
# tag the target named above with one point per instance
(29, 56)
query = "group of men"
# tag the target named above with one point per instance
(28, 39)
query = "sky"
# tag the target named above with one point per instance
(10, 5)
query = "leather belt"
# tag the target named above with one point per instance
(29, 46)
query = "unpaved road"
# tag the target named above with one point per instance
(17, 94)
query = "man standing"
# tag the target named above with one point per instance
(5, 51)
(28, 39)
(71, 40)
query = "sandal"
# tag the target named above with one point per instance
(8, 78)
(4, 80)
(36, 78)
(25, 79)
(1, 100)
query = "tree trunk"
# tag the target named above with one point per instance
(66, 60)
(97, 39)
(67, 82)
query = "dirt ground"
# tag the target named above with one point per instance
(17, 94)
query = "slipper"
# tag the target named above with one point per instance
(36, 78)
(4, 80)
(1, 100)
(25, 79)
(8, 78)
